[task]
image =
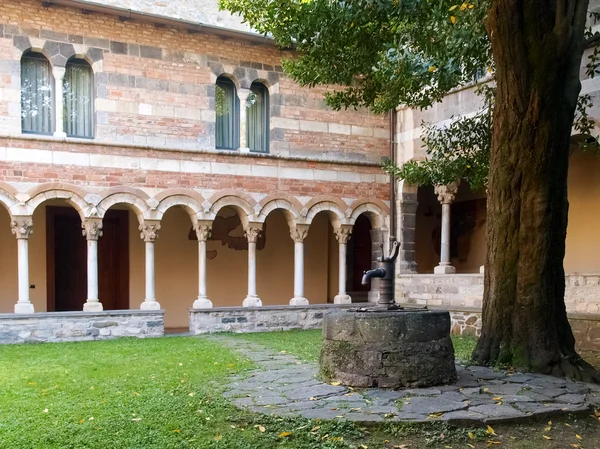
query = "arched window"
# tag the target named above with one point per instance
(78, 99)
(258, 119)
(37, 94)
(227, 107)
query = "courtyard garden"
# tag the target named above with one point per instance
(168, 393)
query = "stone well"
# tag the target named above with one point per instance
(392, 349)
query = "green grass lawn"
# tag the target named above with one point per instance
(166, 393)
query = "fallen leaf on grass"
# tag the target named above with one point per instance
(314, 429)
(136, 419)
(490, 431)
(490, 442)
(335, 384)
(262, 429)
(176, 431)
(45, 410)
(471, 436)
(547, 437)
(337, 438)
(285, 434)
(218, 437)
(362, 446)
(497, 398)
(578, 437)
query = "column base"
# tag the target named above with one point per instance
(252, 301)
(444, 269)
(482, 269)
(298, 301)
(93, 306)
(24, 307)
(202, 303)
(342, 299)
(150, 305)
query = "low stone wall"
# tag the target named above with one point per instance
(261, 319)
(586, 327)
(582, 292)
(79, 326)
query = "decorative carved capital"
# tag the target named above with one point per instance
(447, 193)
(203, 230)
(299, 233)
(252, 231)
(92, 229)
(343, 233)
(21, 227)
(149, 231)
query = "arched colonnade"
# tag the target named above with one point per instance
(202, 212)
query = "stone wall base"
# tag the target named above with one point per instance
(261, 319)
(586, 327)
(80, 326)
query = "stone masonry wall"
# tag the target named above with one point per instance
(262, 319)
(80, 326)
(155, 86)
(582, 292)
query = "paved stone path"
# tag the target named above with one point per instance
(282, 385)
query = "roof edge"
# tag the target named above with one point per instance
(197, 27)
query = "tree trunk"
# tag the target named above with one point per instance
(537, 46)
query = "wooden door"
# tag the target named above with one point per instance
(66, 260)
(361, 252)
(113, 261)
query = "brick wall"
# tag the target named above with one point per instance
(155, 86)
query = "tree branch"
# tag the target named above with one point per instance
(592, 41)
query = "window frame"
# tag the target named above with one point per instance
(224, 81)
(51, 81)
(83, 63)
(266, 117)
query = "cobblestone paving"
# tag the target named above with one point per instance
(284, 386)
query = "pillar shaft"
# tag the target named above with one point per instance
(298, 234)
(243, 96)
(92, 230)
(203, 230)
(149, 234)
(59, 76)
(342, 234)
(252, 230)
(22, 228)
(407, 214)
(446, 195)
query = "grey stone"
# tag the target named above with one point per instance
(101, 324)
(423, 392)
(119, 48)
(463, 417)
(316, 391)
(425, 405)
(147, 51)
(499, 390)
(363, 417)
(271, 400)
(95, 54)
(383, 409)
(22, 42)
(497, 411)
(570, 398)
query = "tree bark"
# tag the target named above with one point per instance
(537, 46)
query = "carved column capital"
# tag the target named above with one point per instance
(343, 233)
(447, 193)
(21, 227)
(203, 230)
(252, 230)
(149, 231)
(299, 233)
(92, 228)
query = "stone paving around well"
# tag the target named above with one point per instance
(284, 386)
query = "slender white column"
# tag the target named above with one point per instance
(59, 77)
(149, 234)
(252, 230)
(202, 232)
(446, 195)
(92, 230)
(243, 96)
(22, 228)
(298, 234)
(342, 234)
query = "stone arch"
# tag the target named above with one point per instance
(189, 200)
(242, 206)
(71, 194)
(7, 196)
(133, 198)
(334, 207)
(290, 206)
(219, 71)
(375, 210)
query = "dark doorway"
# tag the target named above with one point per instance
(360, 253)
(67, 260)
